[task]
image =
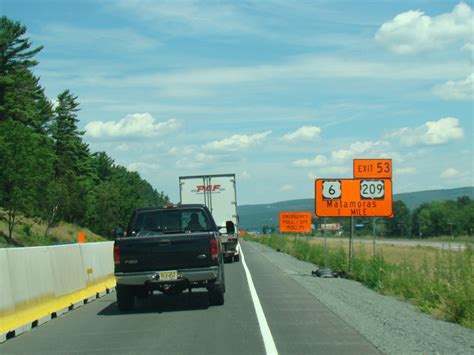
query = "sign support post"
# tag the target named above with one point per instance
(374, 220)
(350, 243)
(325, 247)
(367, 194)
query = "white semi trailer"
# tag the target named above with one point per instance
(219, 194)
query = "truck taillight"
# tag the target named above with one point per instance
(116, 254)
(214, 250)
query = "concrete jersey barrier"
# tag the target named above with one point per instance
(40, 283)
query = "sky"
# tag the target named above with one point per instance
(277, 92)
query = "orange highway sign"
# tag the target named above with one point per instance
(295, 222)
(372, 168)
(353, 197)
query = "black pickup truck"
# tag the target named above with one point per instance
(169, 249)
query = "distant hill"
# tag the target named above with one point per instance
(414, 199)
(256, 216)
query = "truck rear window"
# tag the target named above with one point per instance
(170, 221)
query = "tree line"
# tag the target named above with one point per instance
(46, 168)
(430, 219)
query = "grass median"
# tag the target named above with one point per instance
(439, 282)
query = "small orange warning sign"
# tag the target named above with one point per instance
(295, 222)
(372, 168)
(81, 237)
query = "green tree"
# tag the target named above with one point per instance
(463, 201)
(25, 167)
(73, 168)
(66, 135)
(46, 169)
(15, 60)
(465, 217)
(421, 220)
(439, 219)
(117, 193)
(400, 224)
(103, 165)
(25, 101)
(468, 219)
(445, 218)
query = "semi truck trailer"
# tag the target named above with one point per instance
(219, 194)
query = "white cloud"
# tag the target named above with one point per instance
(330, 172)
(123, 147)
(142, 166)
(183, 91)
(396, 157)
(287, 188)
(405, 171)
(431, 133)
(468, 47)
(103, 39)
(237, 142)
(336, 170)
(195, 161)
(134, 125)
(449, 173)
(356, 149)
(361, 147)
(191, 17)
(191, 157)
(413, 154)
(305, 133)
(412, 31)
(461, 90)
(342, 154)
(332, 167)
(179, 151)
(204, 81)
(245, 175)
(319, 160)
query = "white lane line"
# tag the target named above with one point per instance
(270, 347)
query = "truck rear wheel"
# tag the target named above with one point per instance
(216, 296)
(125, 297)
(237, 257)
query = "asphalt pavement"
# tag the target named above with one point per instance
(187, 324)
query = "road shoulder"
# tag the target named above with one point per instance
(393, 326)
(300, 324)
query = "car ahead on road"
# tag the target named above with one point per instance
(169, 249)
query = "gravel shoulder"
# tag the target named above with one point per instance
(392, 325)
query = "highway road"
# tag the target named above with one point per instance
(297, 322)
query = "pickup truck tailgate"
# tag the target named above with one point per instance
(164, 252)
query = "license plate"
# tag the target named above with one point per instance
(168, 275)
